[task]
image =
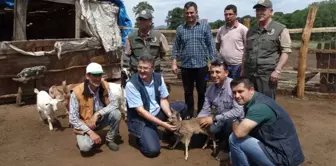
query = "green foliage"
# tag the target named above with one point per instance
(175, 18)
(217, 24)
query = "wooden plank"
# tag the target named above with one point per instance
(78, 19)
(20, 19)
(291, 31)
(70, 2)
(304, 50)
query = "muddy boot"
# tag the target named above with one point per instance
(112, 145)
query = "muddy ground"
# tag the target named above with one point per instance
(25, 141)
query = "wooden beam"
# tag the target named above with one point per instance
(291, 31)
(304, 50)
(70, 2)
(78, 19)
(20, 19)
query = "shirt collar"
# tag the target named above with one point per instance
(266, 27)
(197, 23)
(92, 92)
(250, 103)
(235, 25)
(224, 84)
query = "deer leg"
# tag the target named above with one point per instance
(176, 142)
(187, 141)
(206, 143)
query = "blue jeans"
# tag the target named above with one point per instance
(111, 119)
(247, 151)
(149, 142)
(234, 71)
(222, 130)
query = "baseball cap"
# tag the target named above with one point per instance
(146, 14)
(94, 68)
(263, 3)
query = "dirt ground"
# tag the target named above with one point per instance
(25, 141)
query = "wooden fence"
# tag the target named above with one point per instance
(325, 56)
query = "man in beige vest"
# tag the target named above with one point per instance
(92, 107)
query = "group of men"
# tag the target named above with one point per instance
(238, 106)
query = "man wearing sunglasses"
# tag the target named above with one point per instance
(92, 107)
(268, 46)
(145, 41)
(220, 108)
(231, 41)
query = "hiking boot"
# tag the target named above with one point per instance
(112, 145)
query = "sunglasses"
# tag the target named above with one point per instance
(96, 75)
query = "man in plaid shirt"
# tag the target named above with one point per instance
(193, 47)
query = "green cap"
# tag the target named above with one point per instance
(263, 3)
(146, 14)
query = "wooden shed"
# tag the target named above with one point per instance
(70, 67)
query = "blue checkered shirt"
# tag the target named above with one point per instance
(193, 46)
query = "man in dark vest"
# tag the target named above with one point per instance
(148, 107)
(268, 46)
(267, 135)
(145, 41)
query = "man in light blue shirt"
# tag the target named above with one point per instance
(148, 106)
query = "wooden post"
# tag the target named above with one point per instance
(304, 50)
(78, 19)
(247, 22)
(20, 19)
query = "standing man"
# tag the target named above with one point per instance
(145, 41)
(193, 47)
(267, 135)
(148, 107)
(268, 46)
(231, 41)
(92, 107)
(219, 97)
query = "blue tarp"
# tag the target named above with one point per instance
(9, 3)
(123, 20)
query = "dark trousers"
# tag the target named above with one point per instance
(149, 142)
(222, 130)
(234, 71)
(189, 77)
(264, 85)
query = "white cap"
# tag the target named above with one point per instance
(94, 68)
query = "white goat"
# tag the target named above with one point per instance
(119, 93)
(46, 107)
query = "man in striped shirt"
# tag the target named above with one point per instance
(193, 47)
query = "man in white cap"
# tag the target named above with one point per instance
(92, 107)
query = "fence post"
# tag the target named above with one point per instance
(20, 19)
(78, 19)
(304, 51)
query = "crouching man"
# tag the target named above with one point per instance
(92, 107)
(267, 135)
(219, 96)
(148, 107)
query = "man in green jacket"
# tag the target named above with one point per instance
(267, 50)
